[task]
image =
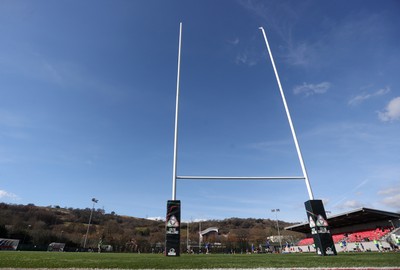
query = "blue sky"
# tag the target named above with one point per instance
(88, 101)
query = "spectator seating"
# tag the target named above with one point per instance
(362, 236)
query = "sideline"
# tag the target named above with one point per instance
(293, 268)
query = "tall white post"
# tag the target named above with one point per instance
(176, 117)
(277, 226)
(94, 200)
(303, 167)
(200, 236)
(187, 237)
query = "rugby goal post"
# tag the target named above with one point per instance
(314, 208)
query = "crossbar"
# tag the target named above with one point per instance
(187, 177)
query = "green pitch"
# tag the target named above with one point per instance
(21, 259)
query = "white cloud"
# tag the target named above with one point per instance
(392, 111)
(389, 191)
(392, 201)
(361, 98)
(311, 89)
(8, 195)
(391, 196)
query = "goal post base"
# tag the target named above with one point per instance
(319, 226)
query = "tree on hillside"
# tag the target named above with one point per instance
(3, 231)
(35, 225)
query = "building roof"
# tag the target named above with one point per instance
(208, 230)
(354, 217)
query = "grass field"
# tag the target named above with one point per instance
(21, 259)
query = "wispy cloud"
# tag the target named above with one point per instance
(309, 89)
(244, 53)
(295, 52)
(246, 59)
(391, 112)
(11, 119)
(235, 41)
(365, 96)
(27, 63)
(276, 146)
(363, 183)
(8, 195)
(12, 125)
(343, 203)
(389, 191)
(23, 61)
(299, 54)
(350, 204)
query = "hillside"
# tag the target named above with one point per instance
(38, 226)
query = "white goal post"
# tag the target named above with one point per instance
(175, 177)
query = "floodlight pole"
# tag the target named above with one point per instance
(303, 167)
(187, 237)
(176, 116)
(277, 226)
(94, 200)
(200, 237)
